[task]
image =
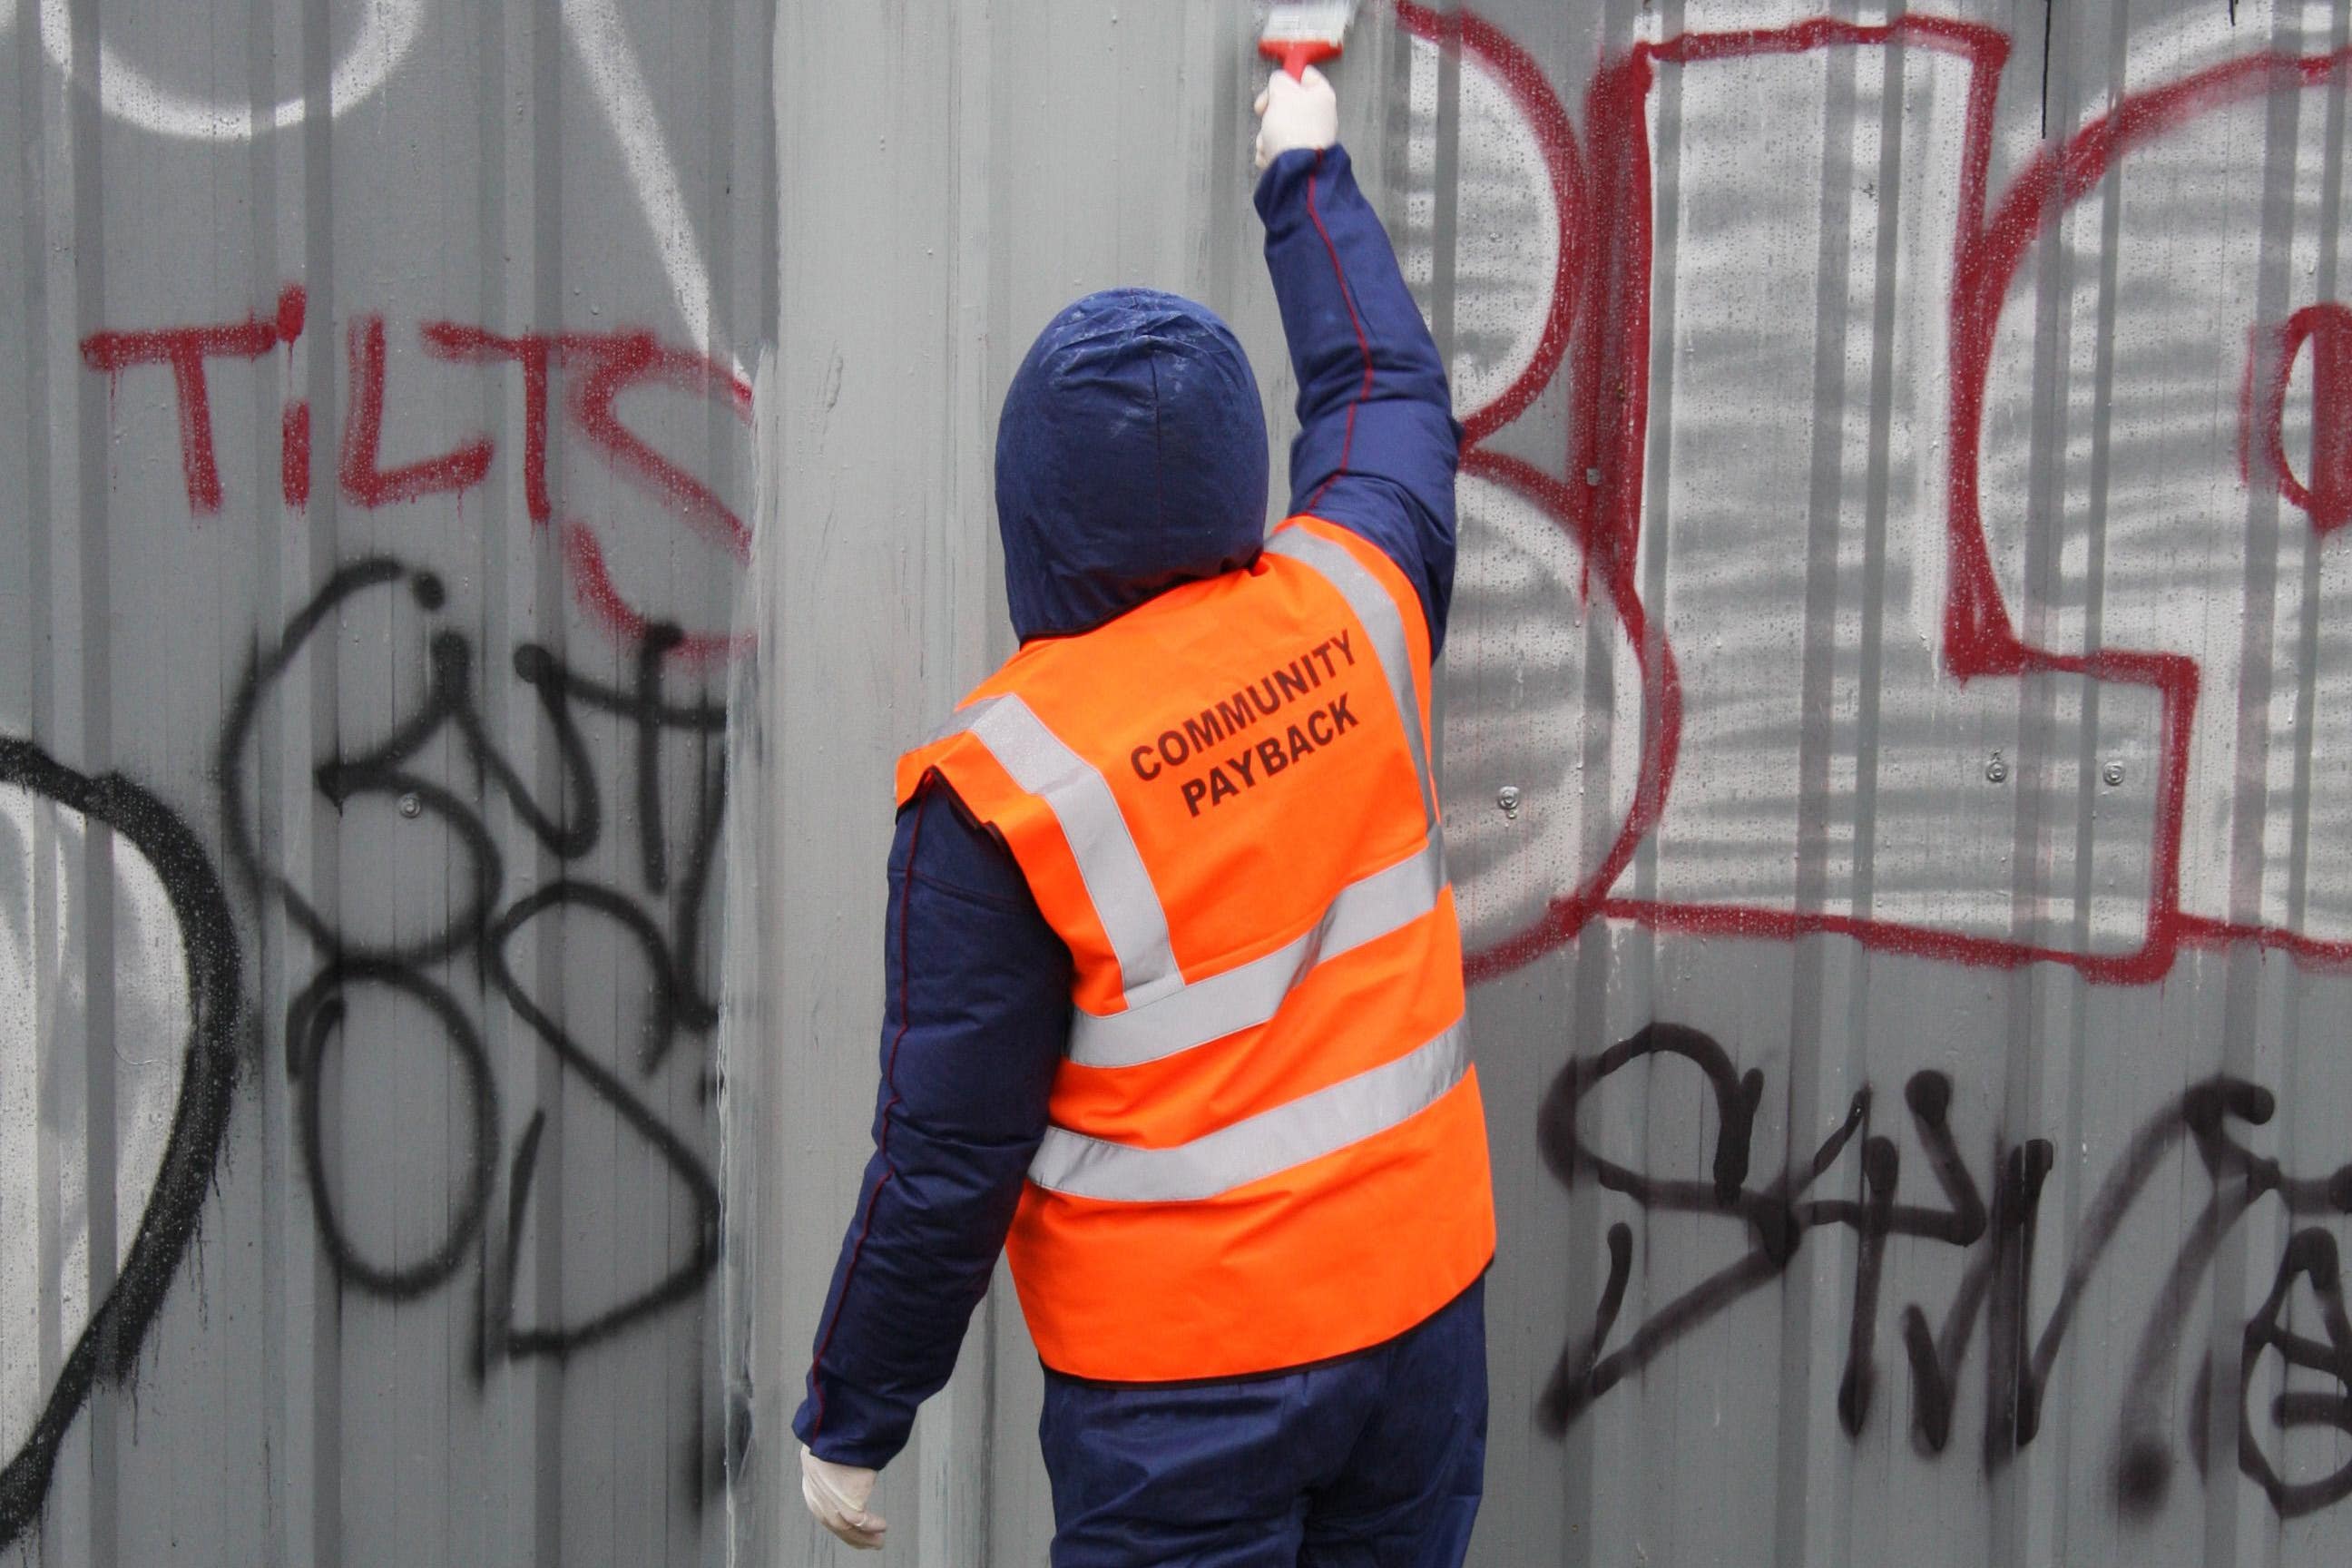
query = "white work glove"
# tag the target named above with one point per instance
(1294, 114)
(836, 1495)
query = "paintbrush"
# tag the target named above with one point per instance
(1302, 33)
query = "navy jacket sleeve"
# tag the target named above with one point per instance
(976, 1017)
(1377, 441)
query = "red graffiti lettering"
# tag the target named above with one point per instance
(185, 349)
(605, 368)
(365, 480)
(620, 361)
(2326, 329)
(1597, 329)
(532, 352)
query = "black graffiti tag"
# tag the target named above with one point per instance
(1996, 1288)
(477, 925)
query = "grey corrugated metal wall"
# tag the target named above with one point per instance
(370, 379)
(1899, 545)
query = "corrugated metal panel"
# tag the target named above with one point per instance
(1915, 931)
(372, 381)
(1906, 446)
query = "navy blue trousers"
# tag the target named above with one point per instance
(1375, 1461)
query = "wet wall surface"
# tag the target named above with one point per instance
(485, 494)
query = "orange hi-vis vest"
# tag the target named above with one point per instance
(1267, 1147)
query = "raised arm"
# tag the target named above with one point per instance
(1376, 443)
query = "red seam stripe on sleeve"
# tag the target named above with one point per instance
(1363, 344)
(882, 1144)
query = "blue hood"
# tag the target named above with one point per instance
(1130, 457)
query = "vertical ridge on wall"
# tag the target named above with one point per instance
(96, 738)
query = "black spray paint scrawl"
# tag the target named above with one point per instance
(480, 924)
(108, 1345)
(1998, 1237)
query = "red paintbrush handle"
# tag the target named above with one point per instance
(1296, 57)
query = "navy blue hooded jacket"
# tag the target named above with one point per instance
(1130, 457)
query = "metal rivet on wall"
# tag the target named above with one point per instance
(411, 806)
(2113, 773)
(1507, 797)
(1996, 771)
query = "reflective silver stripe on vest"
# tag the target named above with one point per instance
(1244, 997)
(1108, 863)
(1258, 1146)
(1379, 613)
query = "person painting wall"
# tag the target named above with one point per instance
(1174, 995)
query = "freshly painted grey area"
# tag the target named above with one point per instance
(1891, 737)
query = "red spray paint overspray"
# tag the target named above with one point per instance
(618, 362)
(2326, 329)
(593, 589)
(1608, 415)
